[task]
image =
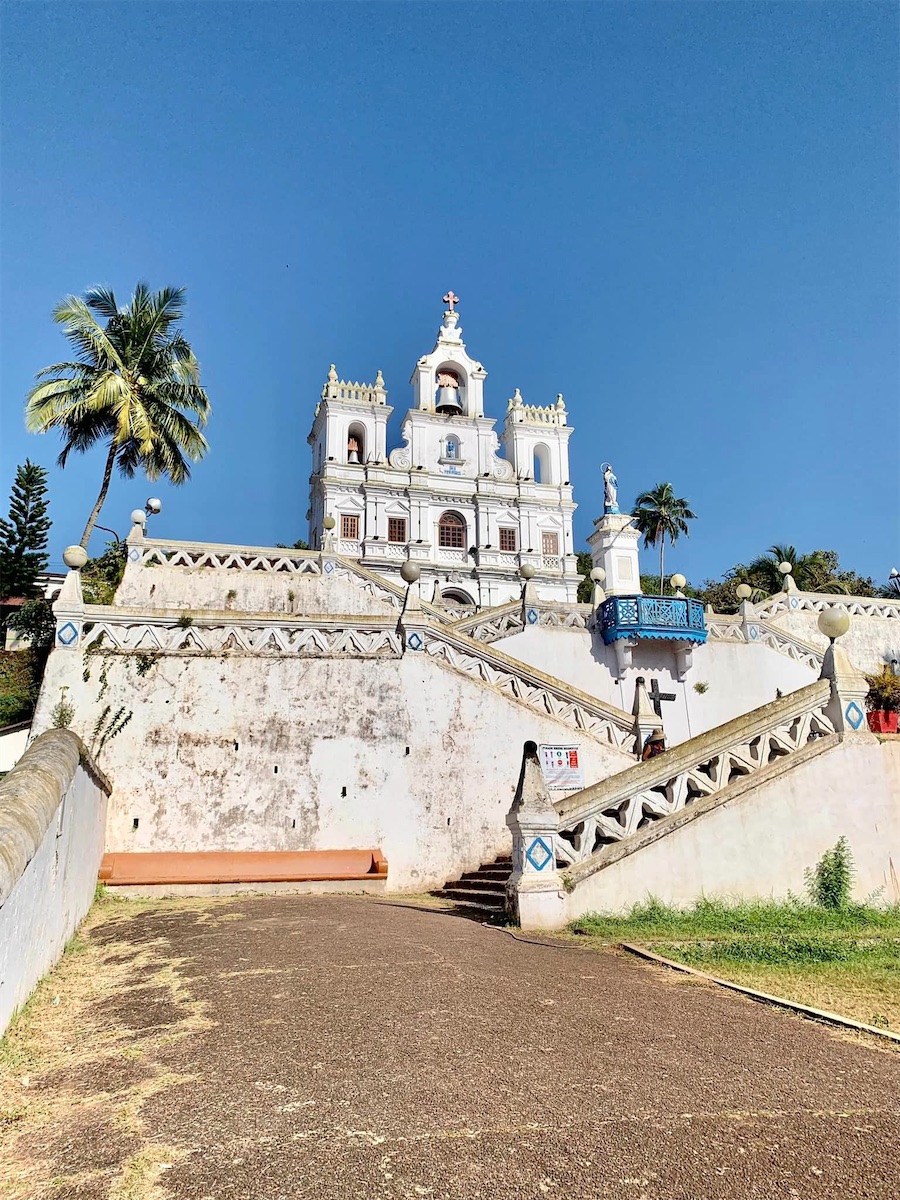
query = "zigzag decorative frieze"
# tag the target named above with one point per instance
(218, 638)
(491, 625)
(185, 556)
(859, 606)
(623, 804)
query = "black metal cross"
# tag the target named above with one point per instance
(656, 697)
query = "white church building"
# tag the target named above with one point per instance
(471, 510)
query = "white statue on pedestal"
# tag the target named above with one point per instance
(610, 490)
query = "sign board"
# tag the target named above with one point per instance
(562, 768)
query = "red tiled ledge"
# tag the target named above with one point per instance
(241, 866)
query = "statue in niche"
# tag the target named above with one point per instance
(610, 490)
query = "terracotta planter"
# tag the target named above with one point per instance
(881, 721)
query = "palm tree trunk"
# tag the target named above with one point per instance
(662, 558)
(95, 512)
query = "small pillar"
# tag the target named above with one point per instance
(412, 617)
(68, 608)
(846, 708)
(645, 719)
(534, 893)
(614, 549)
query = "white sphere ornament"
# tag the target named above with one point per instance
(678, 581)
(410, 572)
(75, 557)
(526, 571)
(329, 523)
(834, 622)
(154, 505)
(598, 575)
(138, 517)
(744, 591)
(785, 568)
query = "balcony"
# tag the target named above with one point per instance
(663, 617)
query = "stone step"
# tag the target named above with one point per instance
(477, 883)
(501, 873)
(492, 900)
(470, 909)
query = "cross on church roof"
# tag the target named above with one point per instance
(451, 300)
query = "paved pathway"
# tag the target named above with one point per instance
(338, 1047)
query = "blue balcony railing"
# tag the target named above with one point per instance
(652, 617)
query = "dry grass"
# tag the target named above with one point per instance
(74, 1079)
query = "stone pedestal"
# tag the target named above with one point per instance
(614, 547)
(534, 893)
(68, 608)
(645, 719)
(847, 707)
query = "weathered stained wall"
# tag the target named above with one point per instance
(760, 844)
(52, 820)
(740, 676)
(240, 751)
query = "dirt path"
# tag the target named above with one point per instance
(292, 1047)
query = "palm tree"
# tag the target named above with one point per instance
(134, 384)
(660, 514)
(813, 572)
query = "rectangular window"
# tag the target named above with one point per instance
(350, 528)
(550, 545)
(396, 529)
(507, 539)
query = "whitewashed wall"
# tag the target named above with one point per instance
(741, 677)
(52, 822)
(428, 759)
(760, 844)
(869, 642)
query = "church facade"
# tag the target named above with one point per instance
(472, 510)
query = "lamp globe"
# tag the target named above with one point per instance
(598, 575)
(743, 591)
(834, 622)
(410, 572)
(526, 571)
(75, 557)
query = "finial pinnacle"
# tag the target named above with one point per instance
(450, 300)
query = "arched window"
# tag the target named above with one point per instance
(451, 449)
(452, 531)
(356, 443)
(542, 465)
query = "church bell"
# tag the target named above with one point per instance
(448, 401)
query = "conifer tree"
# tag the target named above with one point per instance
(23, 535)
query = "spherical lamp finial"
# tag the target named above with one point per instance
(138, 517)
(834, 622)
(598, 575)
(744, 591)
(329, 523)
(785, 568)
(678, 581)
(526, 571)
(75, 557)
(153, 506)
(410, 572)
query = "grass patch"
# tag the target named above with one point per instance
(845, 960)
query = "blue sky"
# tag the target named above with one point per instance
(682, 216)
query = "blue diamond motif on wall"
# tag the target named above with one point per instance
(539, 854)
(415, 642)
(531, 616)
(328, 566)
(754, 632)
(134, 554)
(795, 603)
(854, 714)
(68, 634)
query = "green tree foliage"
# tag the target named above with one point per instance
(660, 514)
(133, 384)
(817, 571)
(585, 587)
(102, 575)
(830, 880)
(23, 535)
(36, 622)
(20, 680)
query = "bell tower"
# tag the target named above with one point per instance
(447, 380)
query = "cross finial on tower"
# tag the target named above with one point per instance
(450, 299)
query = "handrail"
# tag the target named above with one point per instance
(658, 772)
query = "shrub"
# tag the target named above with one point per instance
(884, 690)
(830, 881)
(19, 683)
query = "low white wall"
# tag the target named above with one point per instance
(13, 740)
(740, 676)
(52, 823)
(760, 843)
(241, 752)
